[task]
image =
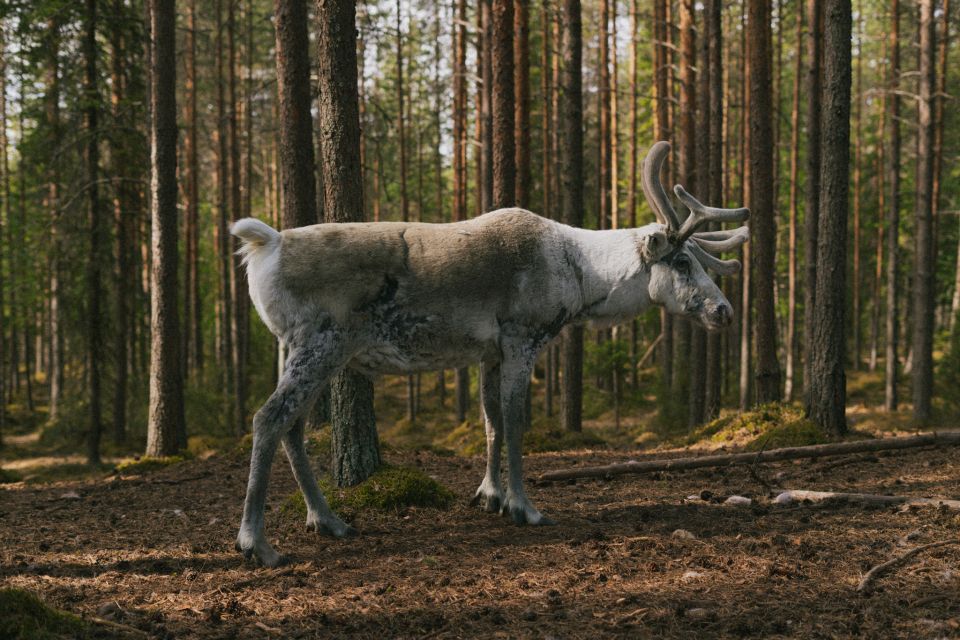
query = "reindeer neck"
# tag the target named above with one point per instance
(614, 280)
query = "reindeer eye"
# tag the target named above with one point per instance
(682, 264)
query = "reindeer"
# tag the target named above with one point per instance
(395, 297)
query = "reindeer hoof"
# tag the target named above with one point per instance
(333, 527)
(522, 512)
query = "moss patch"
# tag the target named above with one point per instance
(466, 440)
(389, 489)
(6, 476)
(769, 426)
(24, 616)
(147, 464)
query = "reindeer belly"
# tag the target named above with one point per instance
(397, 342)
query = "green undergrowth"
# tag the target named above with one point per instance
(148, 464)
(23, 616)
(389, 489)
(7, 476)
(769, 426)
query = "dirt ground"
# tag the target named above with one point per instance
(634, 556)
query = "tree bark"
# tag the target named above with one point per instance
(698, 336)
(763, 201)
(924, 265)
(356, 452)
(571, 170)
(812, 196)
(121, 161)
(295, 122)
(165, 426)
(193, 312)
(94, 285)
(238, 292)
(826, 402)
(714, 372)
(53, 197)
(521, 87)
(791, 346)
(224, 315)
(504, 148)
(891, 399)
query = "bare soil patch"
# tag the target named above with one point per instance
(631, 557)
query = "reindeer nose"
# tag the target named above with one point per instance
(723, 315)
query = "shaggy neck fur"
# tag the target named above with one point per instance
(615, 278)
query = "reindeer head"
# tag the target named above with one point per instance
(678, 255)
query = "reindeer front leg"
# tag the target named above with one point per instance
(519, 356)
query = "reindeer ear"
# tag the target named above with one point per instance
(653, 246)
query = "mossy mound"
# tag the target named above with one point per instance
(204, 446)
(389, 489)
(147, 464)
(769, 426)
(23, 616)
(466, 440)
(7, 476)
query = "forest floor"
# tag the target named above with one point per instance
(140, 554)
(152, 555)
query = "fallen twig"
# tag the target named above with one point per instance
(773, 455)
(119, 627)
(800, 495)
(866, 584)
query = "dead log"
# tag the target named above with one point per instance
(866, 584)
(943, 438)
(862, 498)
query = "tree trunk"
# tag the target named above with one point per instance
(857, 145)
(812, 196)
(698, 336)
(165, 426)
(521, 87)
(121, 162)
(893, 212)
(94, 287)
(297, 165)
(571, 162)
(53, 199)
(224, 317)
(924, 265)
(4, 220)
(661, 58)
(239, 296)
(504, 149)
(791, 346)
(714, 372)
(763, 201)
(826, 402)
(356, 452)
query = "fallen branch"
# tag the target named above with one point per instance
(951, 438)
(649, 351)
(866, 584)
(862, 498)
(118, 627)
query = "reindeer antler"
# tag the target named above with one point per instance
(700, 214)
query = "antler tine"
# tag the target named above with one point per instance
(701, 214)
(720, 241)
(653, 187)
(719, 234)
(722, 267)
